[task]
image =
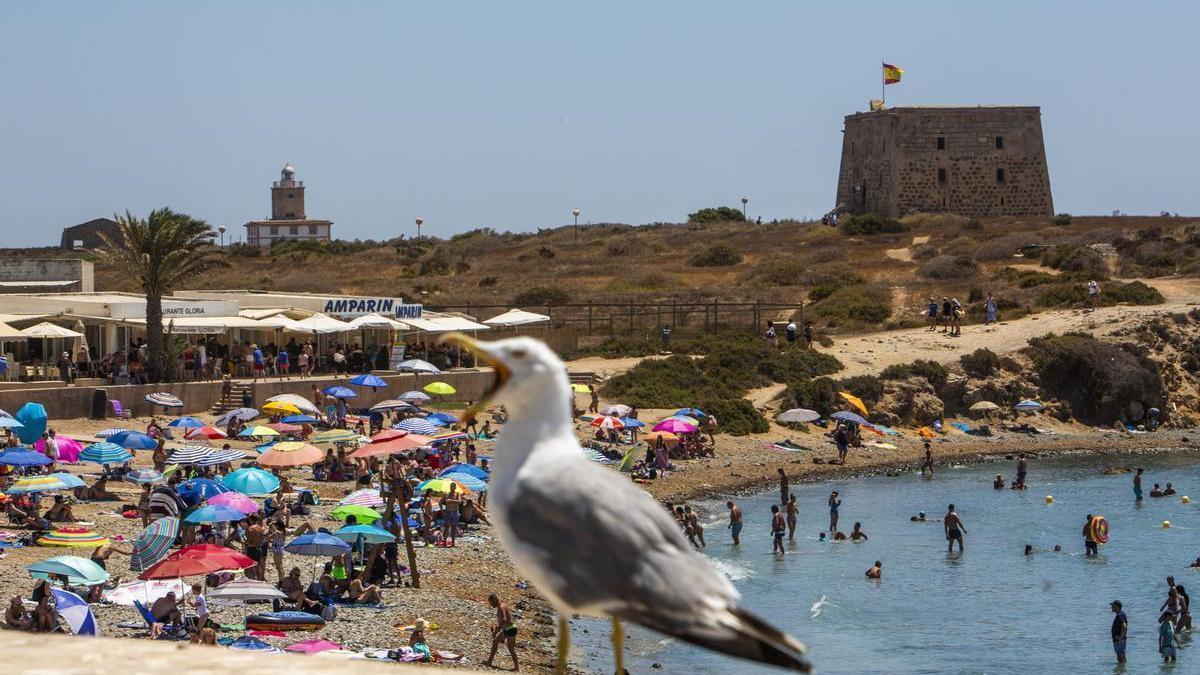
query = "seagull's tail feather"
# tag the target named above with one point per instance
(742, 634)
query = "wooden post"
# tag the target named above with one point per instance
(657, 316)
(589, 317)
(756, 316)
(630, 318)
(611, 325)
(714, 319)
(674, 313)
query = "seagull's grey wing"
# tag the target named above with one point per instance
(603, 544)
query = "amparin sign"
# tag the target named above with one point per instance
(352, 307)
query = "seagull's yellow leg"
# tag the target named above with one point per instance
(618, 643)
(564, 646)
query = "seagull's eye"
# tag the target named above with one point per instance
(518, 353)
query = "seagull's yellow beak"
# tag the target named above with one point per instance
(480, 350)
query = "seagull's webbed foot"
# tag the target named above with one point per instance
(564, 646)
(618, 643)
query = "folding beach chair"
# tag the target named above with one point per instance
(119, 410)
(176, 631)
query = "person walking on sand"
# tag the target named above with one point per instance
(783, 486)
(927, 466)
(504, 632)
(735, 522)
(834, 504)
(778, 528)
(990, 307)
(955, 529)
(792, 508)
(1137, 485)
(1120, 630)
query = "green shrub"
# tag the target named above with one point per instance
(1133, 293)
(931, 371)
(736, 417)
(541, 296)
(858, 304)
(435, 263)
(949, 267)
(1071, 258)
(1003, 247)
(244, 250)
(819, 394)
(487, 282)
(1097, 379)
(783, 273)
(980, 363)
(720, 214)
(870, 223)
(1062, 219)
(719, 254)
(1063, 295)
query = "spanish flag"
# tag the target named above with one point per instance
(891, 74)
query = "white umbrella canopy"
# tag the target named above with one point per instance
(799, 415)
(48, 330)
(320, 323)
(242, 590)
(376, 321)
(296, 400)
(984, 406)
(516, 317)
(9, 334)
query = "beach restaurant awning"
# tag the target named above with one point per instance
(48, 330)
(281, 322)
(320, 323)
(516, 317)
(444, 324)
(205, 325)
(376, 321)
(9, 334)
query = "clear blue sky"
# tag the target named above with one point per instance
(508, 114)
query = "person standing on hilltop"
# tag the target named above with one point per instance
(947, 311)
(990, 306)
(771, 336)
(932, 314)
(790, 332)
(808, 336)
(1093, 290)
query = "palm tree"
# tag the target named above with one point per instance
(160, 252)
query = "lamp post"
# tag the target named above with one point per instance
(745, 201)
(221, 229)
(575, 212)
(419, 221)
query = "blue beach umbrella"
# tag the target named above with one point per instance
(133, 440)
(214, 513)
(23, 457)
(300, 419)
(468, 481)
(32, 417)
(186, 423)
(76, 612)
(77, 570)
(691, 412)
(9, 422)
(1029, 405)
(105, 452)
(253, 482)
(468, 469)
(317, 544)
(194, 491)
(367, 534)
(368, 380)
(631, 423)
(141, 476)
(445, 418)
(847, 416)
(338, 391)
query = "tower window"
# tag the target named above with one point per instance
(312, 229)
(291, 195)
(941, 175)
(295, 229)
(274, 230)
(999, 175)
(941, 143)
(999, 142)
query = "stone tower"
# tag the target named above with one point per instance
(287, 196)
(288, 218)
(973, 161)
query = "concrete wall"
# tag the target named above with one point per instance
(893, 164)
(75, 402)
(49, 269)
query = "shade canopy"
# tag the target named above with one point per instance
(251, 481)
(799, 415)
(49, 331)
(296, 400)
(376, 321)
(77, 570)
(321, 324)
(197, 561)
(417, 366)
(288, 453)
(317, 544)
(517, 317)
(242, 590)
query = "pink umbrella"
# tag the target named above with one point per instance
(68, 449)
(313, 646)
(209, 432)
(675, 426)
(608, 422)
(235, 500)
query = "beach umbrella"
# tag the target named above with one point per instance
(210, 432)
(282, 408)
(616, 410)
(847, 416)
(417, 366)
(145, 592)
(436, 421)
(360, 513)
(608, 422)
(1029, 405)
(194, 491)
(197, 560)
(317, 544)
(242, 590)
(312, 646)
(201, 455)
(133, 440)
(983, 406)
(32, 417)
(441, 486)
(77, 570)
(214, 513)
(251, 481)
(667, 437)
(334, 436)
(284, 427)
(257, 431)
(675, 426)
(105, 452)
(467, 469)
(71, 537)
(416, 425)
(439, 388)
(415, 397)
(446, 418)
(186, 422)
(76, 612)
(300, 419)
(404, 443)
(367, 497)
(854, 401)
(234, 500)
(69, 479)
(691, 412)
(392, 404)
(164, 399)
(295, 400)
(388, 435)
(291, 453)
(37, 484)
(367, 534)
(798, 416)
(141, 476)
(368, 380)
(153, 543)
(9, 422)
(68, 448)
(581, 388)
(686, 420)
(23, 457)
(243, 414)
(111, 431)
(466, 480)
(338, 391)
(631, 423)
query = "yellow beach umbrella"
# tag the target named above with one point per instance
(281, 408)
(440, 388)
(854, 401)
(581, 388)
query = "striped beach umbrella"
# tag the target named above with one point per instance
(258, 431)
(608, 422)
(415, 397)
(37, 484)
(368, 497)
(105, 452)
(392, 404)
(141, 476)
(465, 479)
(334, 436)
(250, 481)
(242, 589)
(164, 399)
(72, 536)
(111, 431)
(200, 455)
(76, 612)
(153, 543)
(417, 425)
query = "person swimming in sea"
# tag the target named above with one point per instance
(858, 534)
(998, 484)
(876, 571)
(1028, 549)
(1137, 484)
(1168, 491)
(919, 518)
(1156, 491)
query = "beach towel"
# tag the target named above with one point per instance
(960, 426)
(789, 446)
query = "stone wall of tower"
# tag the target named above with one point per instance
(973, 161)
(287, 201)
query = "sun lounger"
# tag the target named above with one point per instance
(171, 631)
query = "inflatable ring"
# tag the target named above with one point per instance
(1099, 530)
(284, 621)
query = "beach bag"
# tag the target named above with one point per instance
(329, 612)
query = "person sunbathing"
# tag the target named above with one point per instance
(59, 512)
(16, 616)
(44, 620)
(293, 588)
(364, 595)
(98, 492)
(166, 610)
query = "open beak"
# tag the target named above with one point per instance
(484, 354)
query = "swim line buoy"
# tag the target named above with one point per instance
(1099, 529)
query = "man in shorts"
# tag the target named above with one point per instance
(505, 631)
(735, 522)
(1120, 630)
(778, 529)
(954, 530)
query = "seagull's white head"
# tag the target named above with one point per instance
(529, 375)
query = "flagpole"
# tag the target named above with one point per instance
(882, 86)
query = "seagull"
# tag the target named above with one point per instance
(588, 538)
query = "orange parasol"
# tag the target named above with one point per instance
(403, 444)
(291, 453)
